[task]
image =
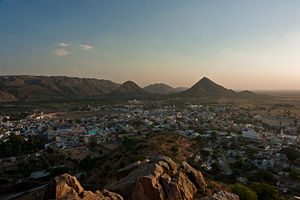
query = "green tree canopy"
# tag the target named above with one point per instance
(265, 191)
(291, 152)
(243, 192)
(17, 145)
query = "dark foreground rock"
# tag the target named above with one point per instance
(156, 179)
(66, 187)
(160, 178)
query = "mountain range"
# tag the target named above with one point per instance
(26, 88)
(33, 88)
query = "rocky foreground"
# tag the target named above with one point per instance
(156, 179)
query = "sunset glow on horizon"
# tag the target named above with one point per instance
(253, 45)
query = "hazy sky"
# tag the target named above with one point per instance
(239, 44)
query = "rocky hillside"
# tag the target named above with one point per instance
(27, 88)
(7, 97)
(160, 88)
(156, 179)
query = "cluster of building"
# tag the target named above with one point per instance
(232, 132)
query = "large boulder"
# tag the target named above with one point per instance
(160, 178)
(66, 187)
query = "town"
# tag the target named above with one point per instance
(229, 142)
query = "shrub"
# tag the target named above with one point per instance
(243, 192)
(291, 152)
(295, 174)
(265, 176)
(216, 168)
(265, 191)
(174, 149)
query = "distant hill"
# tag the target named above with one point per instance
(27, 88)
(128, 89)
(247, 93)
(160, 88)
(181, 89)
(205, 88)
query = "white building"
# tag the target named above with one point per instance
(251, 135)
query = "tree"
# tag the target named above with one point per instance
(291, 152)
(213, 136)
(295, 174)
(243, 192)
(263, 176)
(78, 121)
(204, 153)
(174, 149)
(265, 191)
(17, 145)
(215, 167)
(93, 142)
(202, 142)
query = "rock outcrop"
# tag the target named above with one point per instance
(160, 178)
(222, 195)
(156, 179)
(66, 187)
